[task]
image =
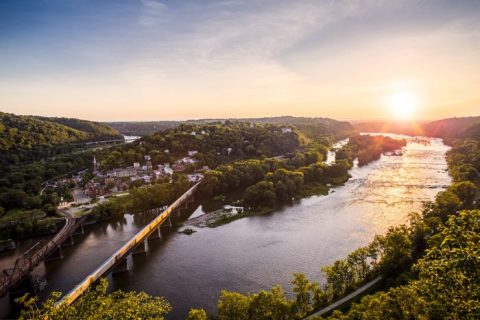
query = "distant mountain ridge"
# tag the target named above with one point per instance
(465, 127)
(315, 126)
(449, 128)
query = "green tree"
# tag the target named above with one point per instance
(401, 303)
(197, 314)
(465, 191)
(269, 305)
(261, 194)
(302, 289)
(450, 271)
(396, 249)
(233, 306)
(97, 304)
(13, 198)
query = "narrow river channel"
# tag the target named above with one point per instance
(259, 252)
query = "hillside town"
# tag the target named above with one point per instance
(90, 184)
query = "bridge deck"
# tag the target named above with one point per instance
(126, 249)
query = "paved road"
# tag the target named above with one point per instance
(345, 299)
(79, 196)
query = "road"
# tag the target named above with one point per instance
(345, 299)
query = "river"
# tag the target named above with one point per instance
(259, 252)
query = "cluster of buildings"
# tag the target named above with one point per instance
(120, 179)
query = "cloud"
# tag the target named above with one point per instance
(152, 10)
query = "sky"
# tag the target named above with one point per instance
(175, 60)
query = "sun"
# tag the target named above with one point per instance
(403, 105)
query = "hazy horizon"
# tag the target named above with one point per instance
(352, 120)
(153, 60)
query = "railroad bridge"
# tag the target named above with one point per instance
(14, 277)
(117, 262)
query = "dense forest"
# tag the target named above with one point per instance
(368, 148)
(312, 127)
(28, 138)
(26, 209)
(215, 143)
(94, 130)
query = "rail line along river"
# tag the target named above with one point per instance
(258, 252)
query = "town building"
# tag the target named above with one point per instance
(195, 177)
(122, 172)
(186, 160)
(149, 165)
(178, 167)
(94, 189)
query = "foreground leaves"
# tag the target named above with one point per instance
(97, 304)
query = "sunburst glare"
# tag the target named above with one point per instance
(403, 105)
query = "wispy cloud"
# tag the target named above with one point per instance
(152, 10)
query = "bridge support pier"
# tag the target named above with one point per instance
(121, 267)
(55, 255)
(140, 249)
(68, 242)
(167, 223)
(79, 231)
(22, 287)
(155, 235)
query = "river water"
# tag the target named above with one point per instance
(259, 252)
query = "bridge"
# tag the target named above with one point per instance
(41, 251)
(117, 262)
(112, 141)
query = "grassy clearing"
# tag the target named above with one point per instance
(19, 214)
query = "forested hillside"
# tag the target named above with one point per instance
(94, 130)
(450, 128)
(467, 127)
(312, 127)
(26, 132)
(215, 143)
(25, 138)
(141, 128)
